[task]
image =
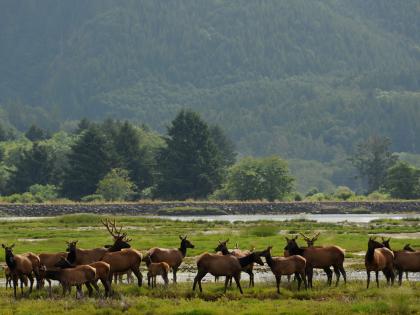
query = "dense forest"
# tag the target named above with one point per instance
(306, 80)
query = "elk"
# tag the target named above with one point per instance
(311, 242)
(156, 269)
(118, 277)
(222, 247)
(224, 265)
(102, 268)
(68, 277)
(404, 260)
(280, 266)
(173, 257)
(318, 257)
(378, 258)
(20, 266)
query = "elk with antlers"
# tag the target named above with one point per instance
(173, 257)
(318, 257)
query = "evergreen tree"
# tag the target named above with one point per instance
(132, 157)
(372, 160)
(224, 144)
(33, 167)
(190, 166)
(35, 133)
(83, 125)
(88, 163)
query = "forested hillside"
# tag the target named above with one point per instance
(303, 79)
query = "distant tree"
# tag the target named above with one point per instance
(372, 159)
(34, 166)
(116, 185)
(190, 165)
(224, 144)
(266, 178)
(88, 163)
(83, 125)
(3, 133)
(35, 133)
(343, 193)
(132, 157)
(403, 181)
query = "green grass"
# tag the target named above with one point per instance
(49, 235)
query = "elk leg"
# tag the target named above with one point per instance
(309, 274)
(238, 282)
(216, 278)
(337, 275)
(368, 279)
(136, 271)
(329, 275)
(278, 279)
(31, 281)
(104, 282)
(89, 287)
(21, 285)
(15, 284)
(377, 278)
(174, 270)
(400, 275)
(200, 275)
(392, 275)
(95, 285)
(165, 278)
(288, 278)
(226, 283)
(230, 281)
(303, 276)
(406, 275)
(299, 280)
(251, 278)
(343, 272)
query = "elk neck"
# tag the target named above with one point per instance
(245, 261)
(369, 254)
(269, 260)
(183, 249)
(71, 256)
(10, 260)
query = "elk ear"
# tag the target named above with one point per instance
(67, 242)
(180, 237)
(287, 239)
(227, 240)
(185, 237)
(296, 237)
(13, 245)
(383, 239)
(220, 242)
(2, 245)
(269, 247)
(389, 239)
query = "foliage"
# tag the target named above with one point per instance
(35, 133)
(372, 159)
(190, 165)
(89, 162)
(265, 178)
(403, 181)
(343, 193)
(93, 198)
(116, 186)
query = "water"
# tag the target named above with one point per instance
(330, 218)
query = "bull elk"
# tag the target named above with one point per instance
(173, 257)
(318, 257)
(379, 258)
(222, 247)
(280, 266)
(224, 265)
(404, 260)
(20, 266)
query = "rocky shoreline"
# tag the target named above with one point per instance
(209, 208)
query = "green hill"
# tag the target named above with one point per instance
(304, 79)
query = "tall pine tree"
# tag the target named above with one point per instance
(190, 165)
(89, 162)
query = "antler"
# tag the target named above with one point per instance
(305, 237)
(315, 237)
(112, 229)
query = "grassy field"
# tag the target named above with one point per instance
(49, 235)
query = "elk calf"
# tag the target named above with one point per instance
(280, 266)
(156, 269)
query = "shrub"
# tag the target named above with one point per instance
(116, 185)
(343, 193)
(377, 195)
(93, 198)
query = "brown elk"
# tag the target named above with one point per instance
(280, 266)
(311, 243)
(68, 277)
(224, 265)
(173, 257)
(222, 247)
(318, 257)
(378, 258)
(20, 266)
(404, 260)
(102, 268)
(156, 269)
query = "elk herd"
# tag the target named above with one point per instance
(86, 267)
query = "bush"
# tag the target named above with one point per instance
(116, 186)
(311, 192)
(264, 231)
(317, 197)
(93, 198)
(377, 195)
(343, 193)
(44, 192)
(298, 197)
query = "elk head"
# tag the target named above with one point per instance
(372, 244)
(71, 246)
(222, 246)
(310, 241)
(120, 239)
(408, 248)
(185, 243)
(386, 242)
(266, 252)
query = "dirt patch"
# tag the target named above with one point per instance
(31, 240)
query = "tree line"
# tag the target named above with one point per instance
(117, 160)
